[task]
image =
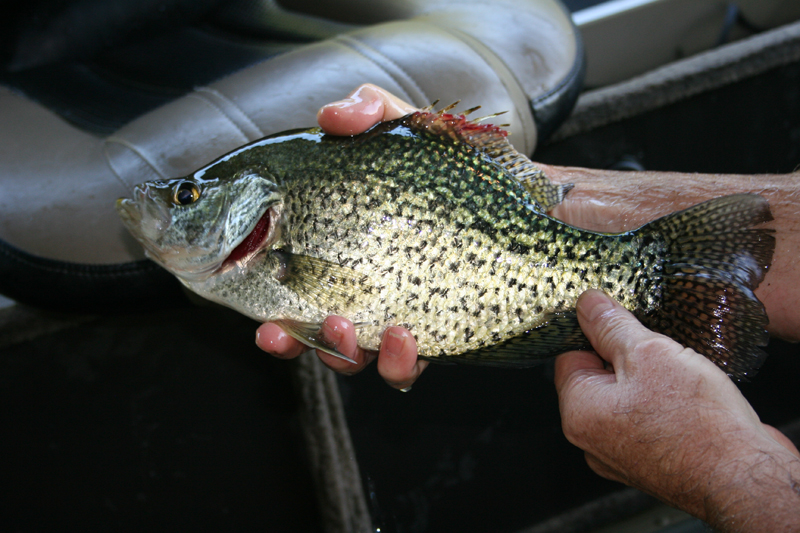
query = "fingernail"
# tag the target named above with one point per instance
(594, 303)
(393, 343)
(341, 104)
(406, 389)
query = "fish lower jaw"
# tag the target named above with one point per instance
(194, 275)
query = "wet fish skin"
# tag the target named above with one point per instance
(421, 224)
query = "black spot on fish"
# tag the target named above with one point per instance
(518, 248)
(512, 282)
(468, 334)
(495, 309)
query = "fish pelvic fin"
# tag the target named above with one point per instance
(309, 334)
(714, 261)
(493, 141)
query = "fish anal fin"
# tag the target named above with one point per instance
(559, 333)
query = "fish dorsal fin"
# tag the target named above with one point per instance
(493, 141)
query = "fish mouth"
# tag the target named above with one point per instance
(127, 211)
(262, 235)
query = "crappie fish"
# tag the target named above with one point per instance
(435, 223)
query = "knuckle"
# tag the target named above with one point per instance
(657, 345)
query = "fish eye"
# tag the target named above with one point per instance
(186, 193)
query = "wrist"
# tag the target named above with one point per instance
(754, 487)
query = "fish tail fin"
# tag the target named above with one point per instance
(714, 261)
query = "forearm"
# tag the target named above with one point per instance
(613, 201)
(759, 491)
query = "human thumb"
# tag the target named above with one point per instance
(612, 330)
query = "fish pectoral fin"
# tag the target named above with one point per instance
(559, 333)
(331, 286)
(309, 334)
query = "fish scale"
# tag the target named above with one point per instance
(436, 224)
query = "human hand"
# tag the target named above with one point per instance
(665, 420)
(366, 106)
(397, 360)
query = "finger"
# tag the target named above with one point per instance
(273, 340)
(614, 332)
(577, 375)
(340, 334)
(573, 368)
(365, 107)
(397, 360)
(782, 439)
